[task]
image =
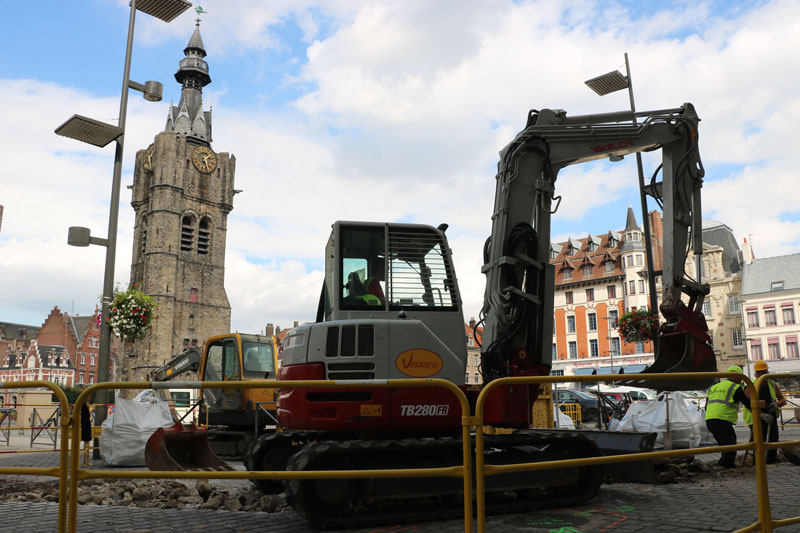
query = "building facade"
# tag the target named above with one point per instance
(474, 335)
(770, 305)
(182, 195)
(63, 350)
(721, 269)
(599, 278)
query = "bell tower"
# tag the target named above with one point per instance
(182, 194)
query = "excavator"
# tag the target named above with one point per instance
(390, 308)
(233, 418)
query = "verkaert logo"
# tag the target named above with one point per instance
(418, 363)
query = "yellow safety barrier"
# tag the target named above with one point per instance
(765, 522)
(572, 410)
(464, 471)
(61, 470)
(70, 473)
(768, 524)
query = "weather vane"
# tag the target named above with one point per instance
(199, 10)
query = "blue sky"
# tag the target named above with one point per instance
(379, 111)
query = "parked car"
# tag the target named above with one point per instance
(637, 395)
(588, 403)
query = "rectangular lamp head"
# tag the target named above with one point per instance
(165, 10)
(608, 83)
(89, 130)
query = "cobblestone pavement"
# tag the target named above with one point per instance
(723, 500)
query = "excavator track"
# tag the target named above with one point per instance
(271, 452)
(347, 503)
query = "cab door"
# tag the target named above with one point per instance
(222, 364)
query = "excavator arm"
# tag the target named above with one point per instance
(187, 361)
(518, 301)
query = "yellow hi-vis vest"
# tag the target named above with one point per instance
(747, 414)
(369, 299)
(721, 405)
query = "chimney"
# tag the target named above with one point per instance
(472, 323)
(296, 323)
(270, 329)
(747, 252)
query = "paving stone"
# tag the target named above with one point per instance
(716, 501)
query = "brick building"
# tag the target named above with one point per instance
(64, 350)
(182, 194)
(599, 278)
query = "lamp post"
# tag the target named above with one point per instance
(612, 82)
(100, 134)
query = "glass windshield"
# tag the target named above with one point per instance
(363, 267)
(584, 395)
(258, 359)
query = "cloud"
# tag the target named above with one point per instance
(400, 114)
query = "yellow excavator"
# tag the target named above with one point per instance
(230, 419)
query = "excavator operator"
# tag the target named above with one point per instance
(377, 269)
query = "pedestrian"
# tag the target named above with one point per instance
(86, 430)
(773, 400)
(722, 413)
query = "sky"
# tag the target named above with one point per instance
(378, 111)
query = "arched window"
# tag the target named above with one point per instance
(187, 233)
(204, 237)
(143, 239)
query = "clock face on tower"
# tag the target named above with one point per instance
(204, 159)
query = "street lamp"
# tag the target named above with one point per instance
(100, 134)
(612, 82)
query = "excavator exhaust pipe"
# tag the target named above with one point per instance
(182, 447)
(683, 346)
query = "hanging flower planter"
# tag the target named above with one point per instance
(638, 326)
(131, 313)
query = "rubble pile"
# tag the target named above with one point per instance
(677, 469)
(162, 494)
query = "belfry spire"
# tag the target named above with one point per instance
(188, 117)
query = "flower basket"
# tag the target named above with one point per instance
(638, 326)
(131, 313)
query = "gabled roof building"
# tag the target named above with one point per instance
(770, 307)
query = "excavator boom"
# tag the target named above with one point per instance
(518, 302)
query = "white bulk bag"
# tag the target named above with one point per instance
(126, 431)
(562, 421)
(651, 416)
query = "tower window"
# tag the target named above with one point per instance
(193, 294)
(187, 233)
(144, 237)
(203, 237)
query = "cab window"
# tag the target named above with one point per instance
(259, 359)
(222, 363)
(362, 256)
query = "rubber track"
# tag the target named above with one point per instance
(254, 456)
(357, 511)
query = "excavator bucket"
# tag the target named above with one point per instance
(683, 346)
(182, 447)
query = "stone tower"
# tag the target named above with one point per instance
(182, 194)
